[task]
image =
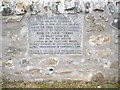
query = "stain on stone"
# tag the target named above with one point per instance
(114, 65)
(103, 52)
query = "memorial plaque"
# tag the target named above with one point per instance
(55, 34)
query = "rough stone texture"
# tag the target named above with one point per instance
(98, 77)
(114, 65)
(98, 58)
(20, 8)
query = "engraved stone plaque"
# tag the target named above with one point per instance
(55, 34)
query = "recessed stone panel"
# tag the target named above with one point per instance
(55, 34)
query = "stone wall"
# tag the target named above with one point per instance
(98, 57)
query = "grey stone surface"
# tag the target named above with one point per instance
(98, 52)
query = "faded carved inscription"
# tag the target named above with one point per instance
(55, 34)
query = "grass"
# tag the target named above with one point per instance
(56, 84)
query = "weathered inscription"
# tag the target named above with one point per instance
(55, 34)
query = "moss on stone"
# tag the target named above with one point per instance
(55, 84)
